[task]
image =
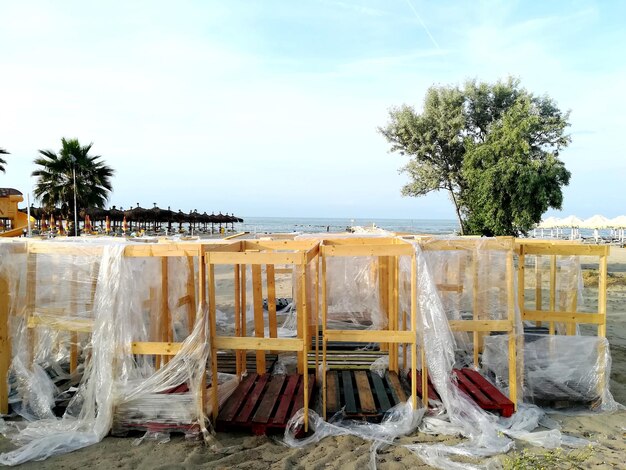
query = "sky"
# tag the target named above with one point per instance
(271, 108)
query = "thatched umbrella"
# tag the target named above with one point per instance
(193, 218)
(155, 215)
(181, 218)
(137, 214)
(168, 216)
(116, 215)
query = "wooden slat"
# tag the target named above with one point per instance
(236, 399)
(396, 388)
(252, 399)
(270, 397)
(299, 400)
(332, 392)
(565, 249)
(381, 393)
(564, 317)
(250, 343)
(155, 347)
(63, 324)
(348, 391)
(472, 390)
(481, 325)
(371, 336)
(488, 388)
(366, 398)
(286, 399)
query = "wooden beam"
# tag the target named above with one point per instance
(5, 345)
(564, 317)
(371, 336)
(155, 348)
(481, 325)
(259, 344)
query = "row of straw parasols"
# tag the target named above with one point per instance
(140, 218)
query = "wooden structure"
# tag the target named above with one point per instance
(298, 256)
(571, 316)
(385, 254)
(482, 322)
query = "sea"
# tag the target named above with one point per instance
(260, 225)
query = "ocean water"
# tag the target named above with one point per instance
(315, 225)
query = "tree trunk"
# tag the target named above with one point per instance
(458, 211)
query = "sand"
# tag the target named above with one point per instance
(607, 431)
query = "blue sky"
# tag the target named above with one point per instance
(270, 108)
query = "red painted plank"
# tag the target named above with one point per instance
(299, 401)
(236, 399)
(506, 406)
(252, 399)
(472, 390)
(286, 399)
(270, 397)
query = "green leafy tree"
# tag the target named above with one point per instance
(493, 147)
(55, 178)
(2, 161)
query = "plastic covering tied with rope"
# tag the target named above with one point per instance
(108, 306)
(487, 434)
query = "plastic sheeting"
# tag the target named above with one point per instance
(486, 434)
(559, 371)
(119, 304)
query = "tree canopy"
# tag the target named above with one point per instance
(493, 147)
(55, 178)
(2, 161)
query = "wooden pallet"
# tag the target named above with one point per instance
(484, 393)
(362, 394)
(226, 362)
(341, 360)
(263, 403)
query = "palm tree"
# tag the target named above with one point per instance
(2, 162)
(55, 184)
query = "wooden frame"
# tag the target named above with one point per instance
(387, 252)
(256, 253)
(480, 323)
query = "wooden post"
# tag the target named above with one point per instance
(415, 328)
(5, 345)
(73, 334)
(243, 354)
(603, 268)
(259, 326)
(324, 316)
(511, 317)
(239, 367)
(538, 287)
(213, 333)
(552, 290)
(475, 303)
(305, 340)
(31, 302)
(316, 313)
(271, 300)
(191, 292)
(602, 293)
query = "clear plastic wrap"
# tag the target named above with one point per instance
(129, 300)
(559, 371)
(486, 433)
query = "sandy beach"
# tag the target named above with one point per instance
(606, 431)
